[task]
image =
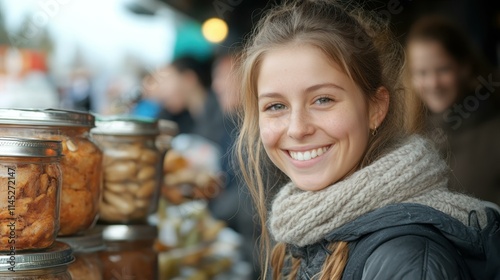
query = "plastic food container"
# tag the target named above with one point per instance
(81, 163)
(129, 252)
(86, 248)
(30, 181)
(49, 264)
(132, 169)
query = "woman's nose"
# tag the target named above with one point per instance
(300, 124)
(431, 81)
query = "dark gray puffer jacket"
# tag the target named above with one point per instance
(410, 241)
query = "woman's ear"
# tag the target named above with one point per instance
(379, 107)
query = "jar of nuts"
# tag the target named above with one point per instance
(30, 181)
(86, 248)
(132, 168)
(81, 164)
(129, 252)
(49, 264)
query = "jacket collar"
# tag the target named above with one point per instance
(467, 238)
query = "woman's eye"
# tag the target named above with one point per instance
(323, 100)
(444, 69)
(275, 107)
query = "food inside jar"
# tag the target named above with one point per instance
(86, 266)
(140, 262)
(81, 189)
(130, 182)
(28, 205)
(182, 183)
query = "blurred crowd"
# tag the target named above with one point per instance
(452, 86)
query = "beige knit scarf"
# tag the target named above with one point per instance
(412, 173)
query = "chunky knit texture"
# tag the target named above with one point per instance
(412, 173)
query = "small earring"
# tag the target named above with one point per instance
(374, 131)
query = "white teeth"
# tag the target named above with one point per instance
(302, 156)
(307, 155)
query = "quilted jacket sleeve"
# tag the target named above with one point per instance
(414, 257)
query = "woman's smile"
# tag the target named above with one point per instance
(304, 155)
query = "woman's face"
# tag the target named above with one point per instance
(435, 74)
(167, 86)
(314, 121)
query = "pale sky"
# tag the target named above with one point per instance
(104, 30)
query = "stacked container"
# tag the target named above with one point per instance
(129, 252)
(77, 172)
(81, 163)
(132, 172)
(30, 184)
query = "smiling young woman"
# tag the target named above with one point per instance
(314, 120)
(363, 199)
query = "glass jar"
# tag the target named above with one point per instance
(30, 182)
(81, 163)
(129, 252)
(132, 168)
(49, 264)
(168, 130)
(86, 248)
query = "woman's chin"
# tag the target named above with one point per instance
(311, 186)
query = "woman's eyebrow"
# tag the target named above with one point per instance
(309, 89)
(269, 95)
(323, 85)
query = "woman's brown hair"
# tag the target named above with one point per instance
(366, 51)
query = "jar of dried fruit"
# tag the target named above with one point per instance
(81, 163)
(86, 248)
(49, 264)
(129, 252)
(30, 181)
(132, 168)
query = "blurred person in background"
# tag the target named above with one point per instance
(25, 82)
(144, 103)
(460, 99)
(78, 94)
(233, 205)
(183, 90)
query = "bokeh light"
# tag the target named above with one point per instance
(215, 30)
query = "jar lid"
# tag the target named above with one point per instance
(89, 242)
(56, 255)
(47, 117)
(125, 125)
(129, 232)
(25, 147)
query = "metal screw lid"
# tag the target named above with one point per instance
(129, 232)
(89, 242)
(46, 117)
(57, 255)
(26, 147)
(125, 125)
